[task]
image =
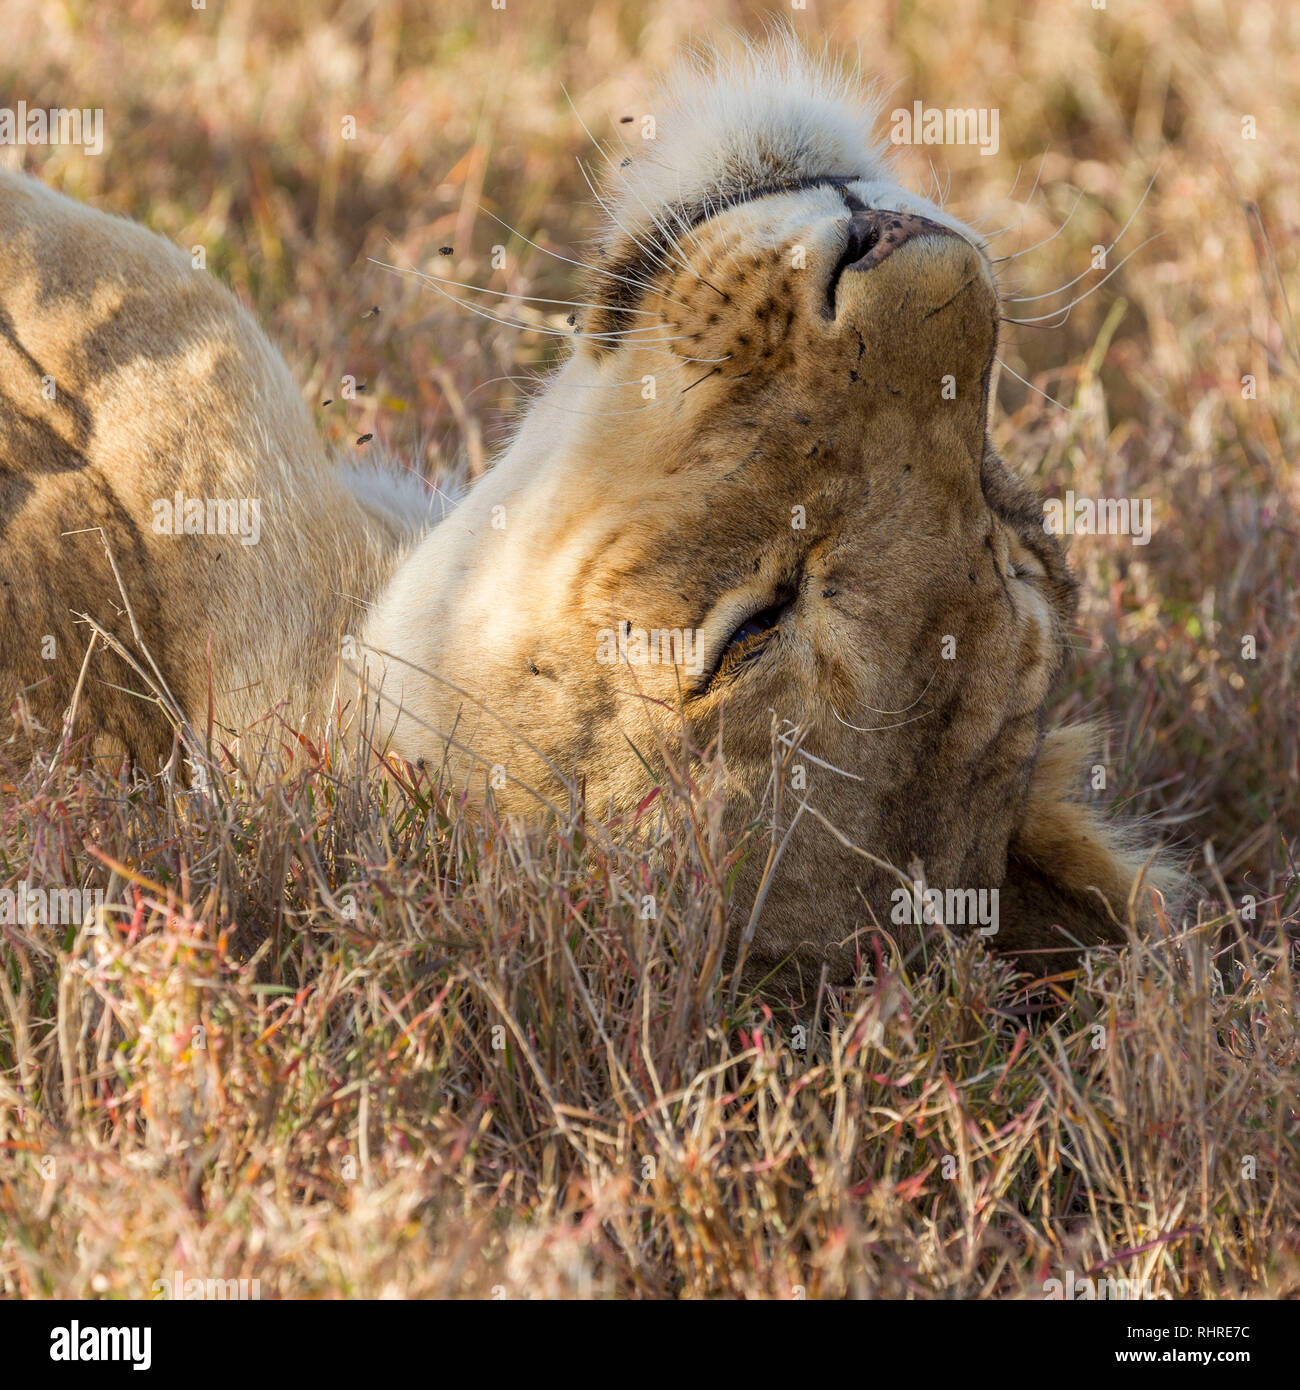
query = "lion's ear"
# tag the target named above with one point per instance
(1070, 875)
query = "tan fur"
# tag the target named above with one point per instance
(160, 383)
(925, 605)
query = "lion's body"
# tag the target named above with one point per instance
(811, 461)
(127, 378)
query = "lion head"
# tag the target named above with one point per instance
(757, 508)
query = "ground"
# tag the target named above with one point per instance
(336, 1039)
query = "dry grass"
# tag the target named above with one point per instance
(352, 952)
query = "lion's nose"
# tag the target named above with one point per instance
(873, 235)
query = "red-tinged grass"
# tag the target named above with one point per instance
(348, 946)
(335, 1037)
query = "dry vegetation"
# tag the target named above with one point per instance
(333, 1036)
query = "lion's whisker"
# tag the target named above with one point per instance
(905, 708)
(569, 260)
(1068, 218)
(687, 229)
(1068, 409)
(539, 379)
(710, 211)
(656, 254)
(934, 183)
(1010, 193)
(1155, 173)
(1024, 207)
(622, 335)
(1118, 237)
(614, 166)
(880, 728)
(1092, 289)
(1024, 299)
(1047, 294)
(669, 247)
(525, 298)
(704, 378)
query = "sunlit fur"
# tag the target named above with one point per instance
(731, 431)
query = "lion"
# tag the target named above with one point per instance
(753, 525)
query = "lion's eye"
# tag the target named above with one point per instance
(752, 626)
(749, 638)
